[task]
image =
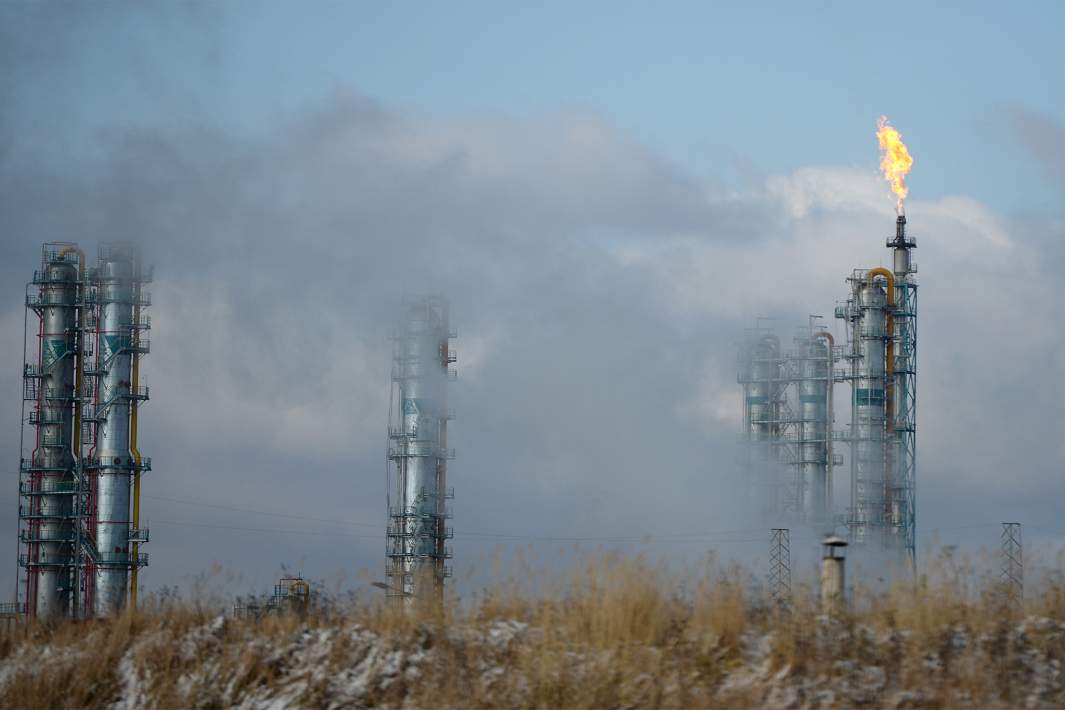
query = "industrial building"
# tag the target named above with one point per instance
(291, 595)
(80, 464)
(417, 535)
(788, 423)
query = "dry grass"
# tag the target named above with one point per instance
(614, 632)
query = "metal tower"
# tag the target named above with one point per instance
(904, 481)
(81, 390)
(1012, 572)
(780, 567)
(416, 546)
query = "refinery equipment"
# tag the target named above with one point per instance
(788, 411)
(789, 458)
(881, 315)
(866, 314)
(904, 415)
(787, 419)
(760, 369)
(291, 595)
(80, 466)
(416, 545)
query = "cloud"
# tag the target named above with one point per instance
(598, 290)
(1044, 137)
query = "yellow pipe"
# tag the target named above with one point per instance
(889, 385)
(134, 382)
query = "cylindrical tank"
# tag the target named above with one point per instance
(114, 279)
(901, 262)
(53, 460)
(869, 398)
(422, 448)
(813, 428)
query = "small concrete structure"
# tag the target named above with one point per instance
(833, 575)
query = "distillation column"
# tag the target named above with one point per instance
(418, 451)
(869, 336)
(760, 376)
(814, 426)
(116, 282)
(47, 479)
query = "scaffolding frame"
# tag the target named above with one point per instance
(905, 422)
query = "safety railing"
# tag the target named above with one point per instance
(43, 559)
(48, 299)
(32, 391)
(31, 514)
(414, 511)
(442, 553)
(122, 559)
(47, 488)
(419, 532)
(39, 536)
(95, 298)
(413, 448)
(126, 463)
(45, 278)
(48, 416)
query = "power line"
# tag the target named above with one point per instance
(707, 536)
(667, 537)
(183, 523)
(262, 512)
(495, 535)
(482, 537)
(959, 527)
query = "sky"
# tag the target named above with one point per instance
(608, 195)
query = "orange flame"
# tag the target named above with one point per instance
(895, 160)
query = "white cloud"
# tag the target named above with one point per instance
(597, 290)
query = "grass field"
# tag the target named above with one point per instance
(613, 632)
